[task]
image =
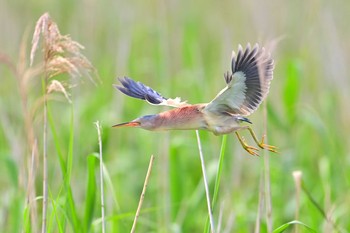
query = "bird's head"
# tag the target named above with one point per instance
(145, 122)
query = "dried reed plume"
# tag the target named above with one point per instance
(61, 55)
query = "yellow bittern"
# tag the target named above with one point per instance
(247, 86)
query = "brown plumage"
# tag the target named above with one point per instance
(247, 86)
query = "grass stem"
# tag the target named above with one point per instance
(267, 179)
(45, 178)
(211, 219)
(31, 187)
(142, 194)
(98, 127)
(260, 205)
(219, 171)
(297, 182)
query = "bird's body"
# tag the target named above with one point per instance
(183, 118)
(247, 86)
(191, 117)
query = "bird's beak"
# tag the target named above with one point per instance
(127, 124)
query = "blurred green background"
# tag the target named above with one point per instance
(182, 48)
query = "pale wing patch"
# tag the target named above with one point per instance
(173, 102)
(231, 97)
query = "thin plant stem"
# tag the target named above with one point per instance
(98, 127)
(297, 182)
(260, 206)
(219, 171)
(45, 181)
(43, 230)
(218, 177)
(267, 180)
(142, 194)
(31, 184)
(211, 219)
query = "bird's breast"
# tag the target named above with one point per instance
(221, 123)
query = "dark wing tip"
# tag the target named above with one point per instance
(139, 90)
(257, 66)
(242, 58)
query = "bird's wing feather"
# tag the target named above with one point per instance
(248, 85)
(141, 91)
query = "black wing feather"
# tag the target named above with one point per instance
(258, 69)
(139, 90)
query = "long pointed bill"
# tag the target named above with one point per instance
(127, 124)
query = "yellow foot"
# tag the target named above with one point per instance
(250, 149)
(262, 145)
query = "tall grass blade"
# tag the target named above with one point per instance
(219, 171)
(74, 218)
(90, 192)
(267, 177)
(218, 177)
(55, 214)
(291, 224)
(210, 212)
(98, 127)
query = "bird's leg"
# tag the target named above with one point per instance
(261, 144)
(250, 149)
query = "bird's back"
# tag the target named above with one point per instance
(183, 118)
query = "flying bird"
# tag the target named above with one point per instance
(247, 85)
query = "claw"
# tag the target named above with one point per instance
(250, 149)
(262, 145)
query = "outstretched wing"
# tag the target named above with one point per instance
(141, 91)
(248, 85)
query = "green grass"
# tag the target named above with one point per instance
(180, 49)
